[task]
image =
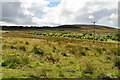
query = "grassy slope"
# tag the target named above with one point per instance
(67, 57)
(85, 26)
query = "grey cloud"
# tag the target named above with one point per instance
(119, 14)
(103, 13)
(0, 11)
(13, 13)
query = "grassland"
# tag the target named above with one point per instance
(43, 54)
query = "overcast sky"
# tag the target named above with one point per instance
(59, 12)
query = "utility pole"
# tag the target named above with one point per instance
(94, 29)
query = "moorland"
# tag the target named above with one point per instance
(66, 51)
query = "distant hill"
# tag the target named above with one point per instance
(86, 27)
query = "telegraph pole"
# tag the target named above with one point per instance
(94, 29)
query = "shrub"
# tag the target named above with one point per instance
(5, 46)
(99, 50)
(115, 51)
(118, 36)
(117, 62)
(86, 48)
(83, 53)
(37, 50)
(66, 54)
(27, 43)
(24, 61)
(22, 48)
(13, 47)
(13, 62)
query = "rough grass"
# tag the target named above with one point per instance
(36, 56)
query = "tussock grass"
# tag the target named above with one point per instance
(41, 56)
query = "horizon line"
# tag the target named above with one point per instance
(57, 25)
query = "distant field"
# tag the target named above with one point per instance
(61, 53)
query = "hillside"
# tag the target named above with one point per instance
(86, 27)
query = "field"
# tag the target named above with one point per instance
(61, 53)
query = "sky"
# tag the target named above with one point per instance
(59, 12)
